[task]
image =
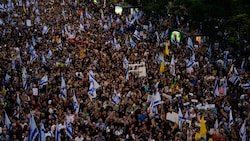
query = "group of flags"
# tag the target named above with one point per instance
(33, 130)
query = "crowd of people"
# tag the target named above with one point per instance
(96, 53)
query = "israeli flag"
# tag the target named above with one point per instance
(187, 114)
(243, 131)
(69, 127)
(68, 61)
(13, 64)
(180, 118)
(216, 125)
(44, 61)
(132, 42)
(216, 88)
(42, 136)
(125, 63)
(92, 90)
(127, 74)
(24, 78)
(50, 54)
(225, 86)
(19, 59)
(231, 120)
(75, 104)
(33, 131)
(45, 29)
(191, 61)
(235, 76)
(33, 54)
(7, 77)
(87, 14)
(57, 134)
(7, 122)
(93, 85)
(63, 89)
(60, 47)
(157, 99)
(190, 44)
(18, 101)
(44, 81)
(159, 58)
(137, 35)
(33, 41)
(115, 98)
(209, 52)
(242, 67)
(172, 66)
(2, 8)
(246, 86)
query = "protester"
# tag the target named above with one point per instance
(75, 70)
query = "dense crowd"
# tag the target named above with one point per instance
(81, 43)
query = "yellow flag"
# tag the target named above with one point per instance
(81, 53)
(166, 48)
(3, 90)
(230, 71)
(203, 128)
(197, 136)
(162, 67)
(24, 9)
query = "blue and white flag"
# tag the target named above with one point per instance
(44, 61)
(234, 76)
(68, 61)
(18, 101)
(19, 59)
(2, 8)
(181, 119)
(137, 35)
(216, 88)
(13, 64)
(190, 44)
(132, 43)
(33, 131)
(191, 61)
(44, 81)
(50, 54)
(93, 85)
(7, 77)
(242, 67)
(125, 63)
(63, 89)
(42, 136)
(216, 125)
(231, 120)
(243, 131)
(45, 29)
(57, 134)
(33, 54)
(209, 52)
(159, 58)
(127, 74)
(115, 98)
(172, 66)
(75, 104)
(33, 41)
(225, 86)
(69, 127)
(187, 114)
(157, 99)
(7, 121)
(60, 47)
(25, 78)
(87, 14)
(246, 86)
